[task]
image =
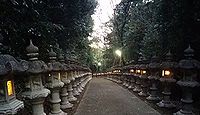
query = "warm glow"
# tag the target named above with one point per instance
(119, 53)
(144, 72)
(166, 72)
(138, 71)
(59, 76)
(49, 75)
(131, 70)
(9, 88)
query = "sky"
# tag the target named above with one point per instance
(103, 13)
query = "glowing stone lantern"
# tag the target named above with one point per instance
(137, 74)
(168, 67)
(189, 68)
(9, 66)
(144, 78)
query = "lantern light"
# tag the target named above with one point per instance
(132, 70)
(144, 72)
(9, 88)
(166, 73)
(59, 76)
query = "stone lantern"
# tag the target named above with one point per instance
(8, 102)
(154, 68)
(75, 82)
(189, 68)
(79, 76)
(65, 104)
(54, 83)
(34, 89)
(144, 78)
(71, 97)
(137, 74)
(168, 67)
(131, 74)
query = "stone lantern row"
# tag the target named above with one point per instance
(144, 77)
(60, 79)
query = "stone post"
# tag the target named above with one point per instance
(35, 91)
(190, 68)
(71, 97)
(65, 104)
(144, 78)
(9, 66)
(75, 91)
(54, 83)
(168, 72)
(154, 68)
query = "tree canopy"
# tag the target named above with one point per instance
(150, 27)
(63, 23)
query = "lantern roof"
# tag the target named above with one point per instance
(53, 64)
(32, 50)
(34, 66)
(189, 62)
(8, 64)
(168, 61)
(155, 63)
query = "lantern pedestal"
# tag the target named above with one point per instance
(71, 97)
(11, 107)
(64, 99)
(166, 102)
(124, 81)
(127, 82)
(144, 86)
(132, 83)
(79, 84)
(153, 90)
(37, 106)
(36, 99)
(55, 102)
(186, 100)
(75, 91)
(137, 85)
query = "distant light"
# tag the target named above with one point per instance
(99, 63)
(119, 53)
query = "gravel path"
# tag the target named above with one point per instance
(103, 97)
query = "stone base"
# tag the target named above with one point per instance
(153, 98)
(181, 112)
(72, 99)
(143, 94)
(137, 89)
(11, 107)
(58, 113)
(166, 104)
(66, 105)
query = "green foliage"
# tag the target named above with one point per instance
(64, 22)
(153, 27)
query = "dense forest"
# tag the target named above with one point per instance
(150, 27)
(144, 27)
(64, 24)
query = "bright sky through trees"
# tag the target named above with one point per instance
(104, 12)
